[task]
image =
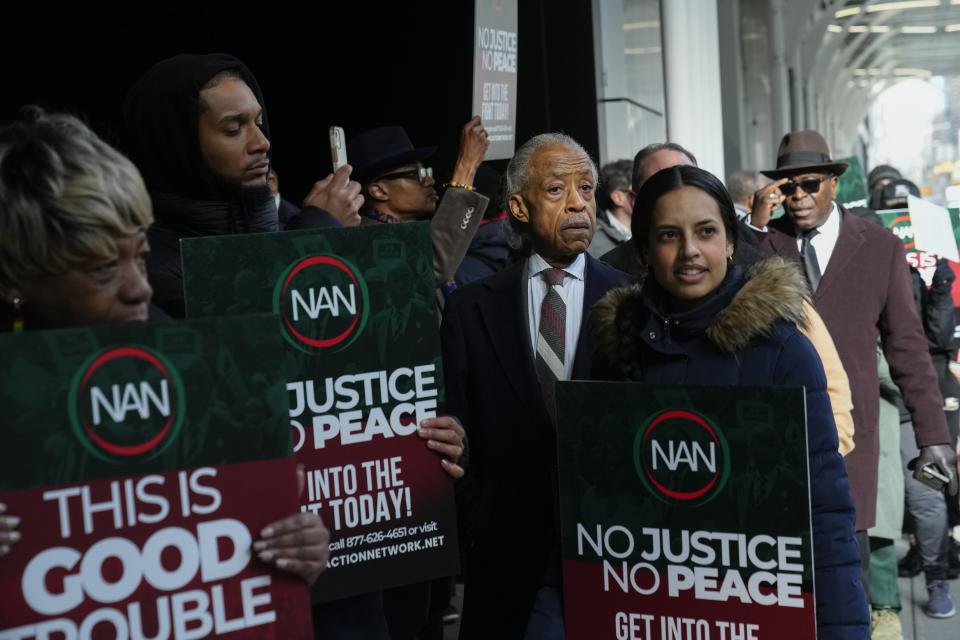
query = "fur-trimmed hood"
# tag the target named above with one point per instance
(773, 290)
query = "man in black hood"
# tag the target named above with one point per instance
(196, 127)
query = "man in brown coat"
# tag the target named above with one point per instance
(862, 289)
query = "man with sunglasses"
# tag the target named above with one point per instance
(398, 187)
(862, 289)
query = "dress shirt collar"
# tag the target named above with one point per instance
(536, 265)
(831, 228)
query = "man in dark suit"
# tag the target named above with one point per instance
(861, 287)
(506, 341)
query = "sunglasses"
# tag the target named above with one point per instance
(809, 186)
(420, 174)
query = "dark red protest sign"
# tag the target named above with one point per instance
(164, 555)
(143, 462)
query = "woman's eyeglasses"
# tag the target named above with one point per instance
(810, 186)
(420, 174)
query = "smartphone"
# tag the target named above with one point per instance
(931, 476)
(338, 147)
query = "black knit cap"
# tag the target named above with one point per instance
(881, 172)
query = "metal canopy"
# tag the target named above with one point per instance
(922, 37)
(847, 51)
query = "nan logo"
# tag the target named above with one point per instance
(322, 302)
(120, 403)
(319, 301)
(902, 227)
(126, 404)
(681, 457)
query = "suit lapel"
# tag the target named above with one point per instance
(509, 336)
(849, 240)
(594, 286)
(784, 241)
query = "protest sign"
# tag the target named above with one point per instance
(901, 224)
(495, 73)
(685, 512)
(143, 461)
(356, 311)
(852, 185)
(932, 229)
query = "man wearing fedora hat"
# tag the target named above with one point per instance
(397, 187)
(861, 287)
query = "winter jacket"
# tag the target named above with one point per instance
(935, 306)
(746, 333)
(489, 252)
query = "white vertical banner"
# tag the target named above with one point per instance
(932, 229)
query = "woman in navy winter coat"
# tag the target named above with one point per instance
(699, 319)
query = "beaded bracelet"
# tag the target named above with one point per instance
(458, 185)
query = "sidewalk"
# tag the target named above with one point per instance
(916, 624)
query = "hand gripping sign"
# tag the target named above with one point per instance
(356, 312)
(143, 461)
(685, 512)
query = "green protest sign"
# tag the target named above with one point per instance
(852, 185)
(355, 311)
(685, 512)
(143, 460)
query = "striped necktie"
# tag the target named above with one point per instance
(551, 338)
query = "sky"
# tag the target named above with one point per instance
(902, 124)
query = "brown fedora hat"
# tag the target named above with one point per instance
(802, 151)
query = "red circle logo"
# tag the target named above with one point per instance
(681, 457)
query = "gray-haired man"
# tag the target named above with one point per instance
(506, 341)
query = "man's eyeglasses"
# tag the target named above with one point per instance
(420, 174)
(810, 186)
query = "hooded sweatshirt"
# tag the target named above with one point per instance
(160, 134)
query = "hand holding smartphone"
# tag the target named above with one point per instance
(338, 147)
(935, 467)
(932, 477)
